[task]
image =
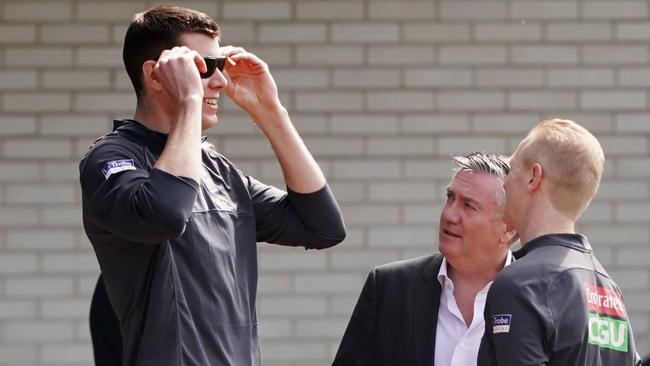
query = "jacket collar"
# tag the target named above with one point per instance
(426, 301)
(443, 273)
(136, 131)
(574, 241)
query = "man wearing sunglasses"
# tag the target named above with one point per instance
(173, 223)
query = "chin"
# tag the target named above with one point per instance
(209, 122)
(445, 248)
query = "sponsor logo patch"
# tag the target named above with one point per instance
(117, 166)
(607, 325)
(604, 301)
(501, 323)
(606, 332)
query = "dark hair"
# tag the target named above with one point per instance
(158, 29)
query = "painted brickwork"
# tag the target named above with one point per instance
(382, 91)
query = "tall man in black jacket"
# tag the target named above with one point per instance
(556, 305)
(428, 311)
(173, 223)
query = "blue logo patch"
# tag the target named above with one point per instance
(501, 323)
(117, 166)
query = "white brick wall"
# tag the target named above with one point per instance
(383, 92)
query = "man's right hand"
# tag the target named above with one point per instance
(177, 71)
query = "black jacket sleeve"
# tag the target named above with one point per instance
(517, 326)
(312, 220)
(358, 342)
(136, 203)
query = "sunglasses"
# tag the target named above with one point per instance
(213, 63)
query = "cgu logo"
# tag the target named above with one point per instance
(608, 333)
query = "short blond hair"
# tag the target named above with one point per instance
(572, 160)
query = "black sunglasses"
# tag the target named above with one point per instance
(212, 64)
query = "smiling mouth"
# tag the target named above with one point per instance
(449, 233)
(210, 101)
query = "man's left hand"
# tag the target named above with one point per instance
(250, 84)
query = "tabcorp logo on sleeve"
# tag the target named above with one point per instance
(117, 166)
(501, 323)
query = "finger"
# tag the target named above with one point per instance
(164, 55)
(200, 62)
(248, 60)
(175, 51)
(231, 50)
(245, 57)
(229, 63)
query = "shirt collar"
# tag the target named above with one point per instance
(443, 274)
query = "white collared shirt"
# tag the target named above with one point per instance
(456, 344)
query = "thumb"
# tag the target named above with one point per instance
(231, 87)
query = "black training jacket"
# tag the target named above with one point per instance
(178, 257)
(557, 306)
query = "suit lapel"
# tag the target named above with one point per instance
(426, 300)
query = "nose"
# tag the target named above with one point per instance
(217, 80)
(450, 213)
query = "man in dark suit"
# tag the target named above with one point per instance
(429, 310)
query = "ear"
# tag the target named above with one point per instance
(508, 233)
(149, 80)
(536, 175)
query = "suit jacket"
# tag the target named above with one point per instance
(395, 319)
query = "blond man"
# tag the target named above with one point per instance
(556, 305)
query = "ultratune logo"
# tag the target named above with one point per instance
(501, 323)
(117, 166)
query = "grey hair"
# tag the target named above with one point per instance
(492, 164)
